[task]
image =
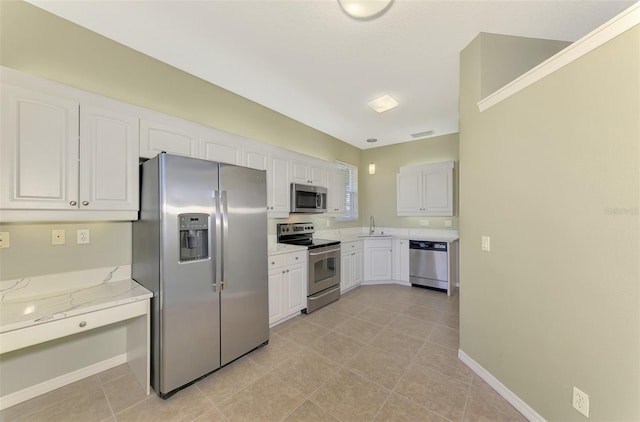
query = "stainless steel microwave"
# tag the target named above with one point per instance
(308, 199)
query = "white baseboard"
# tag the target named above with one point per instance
(375, 282)
(500, 388)
(50, 385)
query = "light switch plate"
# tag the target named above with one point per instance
(424, 223)
(486, 243)
(5, 240)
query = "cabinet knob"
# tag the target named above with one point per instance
(296, 258)
(287, 270)
(73, 203)
(85, 203)
(82, 324)
(273, 262)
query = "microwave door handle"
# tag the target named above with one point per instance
(318, 200)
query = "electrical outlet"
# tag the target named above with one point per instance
(581, 401)
(82, 236)
(57, 237)
(447, 223)
(486, 243)
(424, 223)
(5, 240)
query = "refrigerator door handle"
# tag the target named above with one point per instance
(225, 235)
(218, 246)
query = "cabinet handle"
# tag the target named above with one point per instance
(287, 270)
(82, 324)
(85, 203)
(73, 203)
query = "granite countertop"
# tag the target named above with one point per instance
(36, 300)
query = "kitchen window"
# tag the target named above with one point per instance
(351, 191)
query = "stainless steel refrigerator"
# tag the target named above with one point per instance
(200, 245)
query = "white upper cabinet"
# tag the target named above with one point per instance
(168, 134)
(308, 172)
(425, 190)
(62, 152)
(225, 147)
(108, 159)
(39, 150)
(277, 167)
(335, 192)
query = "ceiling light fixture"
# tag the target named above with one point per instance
(364, 9)
(382, 104)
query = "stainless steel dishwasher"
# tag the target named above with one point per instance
(428, 264)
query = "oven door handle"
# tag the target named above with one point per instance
(323, 252)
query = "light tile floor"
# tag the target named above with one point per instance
(380, 353)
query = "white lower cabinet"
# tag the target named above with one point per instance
(351, 265)
(378, 259)
(287, 285)
(401, 260)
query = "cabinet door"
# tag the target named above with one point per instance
(221, 146)
(335, 192)
(317, 174)
(278, 187)
(255, 158)
(346, 271)
(437, 192)
(179, 138)
(299, 172)
(403, 260)
(379, 264)
(39, 151)
(295, 289)
(109, 147)
(357, 264)
(409, 193)
(276, 295)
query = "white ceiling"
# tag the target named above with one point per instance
(310, 61)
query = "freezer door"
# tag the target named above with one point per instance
(245, 294)
(190, 306)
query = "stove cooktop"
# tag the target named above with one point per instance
(302, 234)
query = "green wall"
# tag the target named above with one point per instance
(552, 174)
(379, 190)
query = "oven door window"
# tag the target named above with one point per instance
(324, 269)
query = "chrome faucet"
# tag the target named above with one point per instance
(372, 225)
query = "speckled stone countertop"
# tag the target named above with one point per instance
(35, 300)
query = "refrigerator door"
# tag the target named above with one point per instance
(190, 306)
(245, 294)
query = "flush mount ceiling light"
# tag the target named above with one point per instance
(364, 9)
(382, 104)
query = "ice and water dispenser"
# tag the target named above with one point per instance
(194, 235)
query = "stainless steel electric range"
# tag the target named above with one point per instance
(323, 274)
